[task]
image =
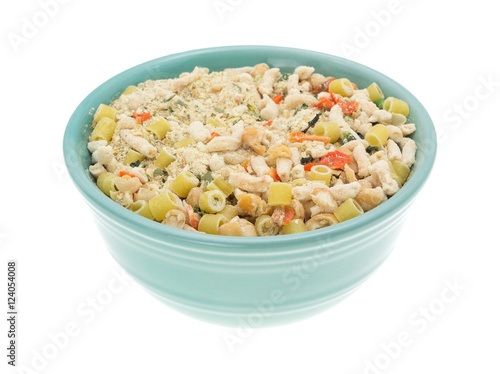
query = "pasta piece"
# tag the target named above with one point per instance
(348, 210)
(268, 80)
(402, 171)
(147, 192)
(129, 90)
(103, 155)
(128, 184)
(186, 142)
(265, 226)
(141, 207)
(393, 105)
(104, 111)
(221, 185)
(280, 194)
(330, 129)
(295, 100)
(250, 183)
(259, 165)
(132, 157)
(215, 122)
(164, 159)
(382, 171)
(321, 220)
(253, 136)
(212, 201)
(343, 192)
(294, 227)
(369, 198)
(237, 227)
(175, 218)
(223, 143)
(106, 182)
(408, 152)
(279, 151)
(251, 204)
(104, 130)
(159, 127)
(375, 92)
(210, 223)
(398, 119)
(96, 144)
(138, 143)
(393, 151)
(342, 86)
(199, 132)
(229, 211)
(321, 173)
(377, 136)
(193, 197)
(324, 200)
(298, 209)
(407, 129)
(183, 183)
(304, 72)
(283, 168)
(395, 133)
(164, 202)
(96, 170)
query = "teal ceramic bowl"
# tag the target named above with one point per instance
(238, 281)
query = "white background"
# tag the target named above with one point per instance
(443, 52)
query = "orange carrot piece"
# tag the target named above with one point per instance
(123, 172)
(277, 99)
(141, 117)
(323, 102)
(268, 123)
(299, 137)
(348, 108)
(274, 174)
(214, 135)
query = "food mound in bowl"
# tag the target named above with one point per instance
(251, 151)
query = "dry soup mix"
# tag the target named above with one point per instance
(251, 151)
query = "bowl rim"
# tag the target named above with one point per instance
(113, 210)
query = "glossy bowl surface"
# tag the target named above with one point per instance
(238, 281)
